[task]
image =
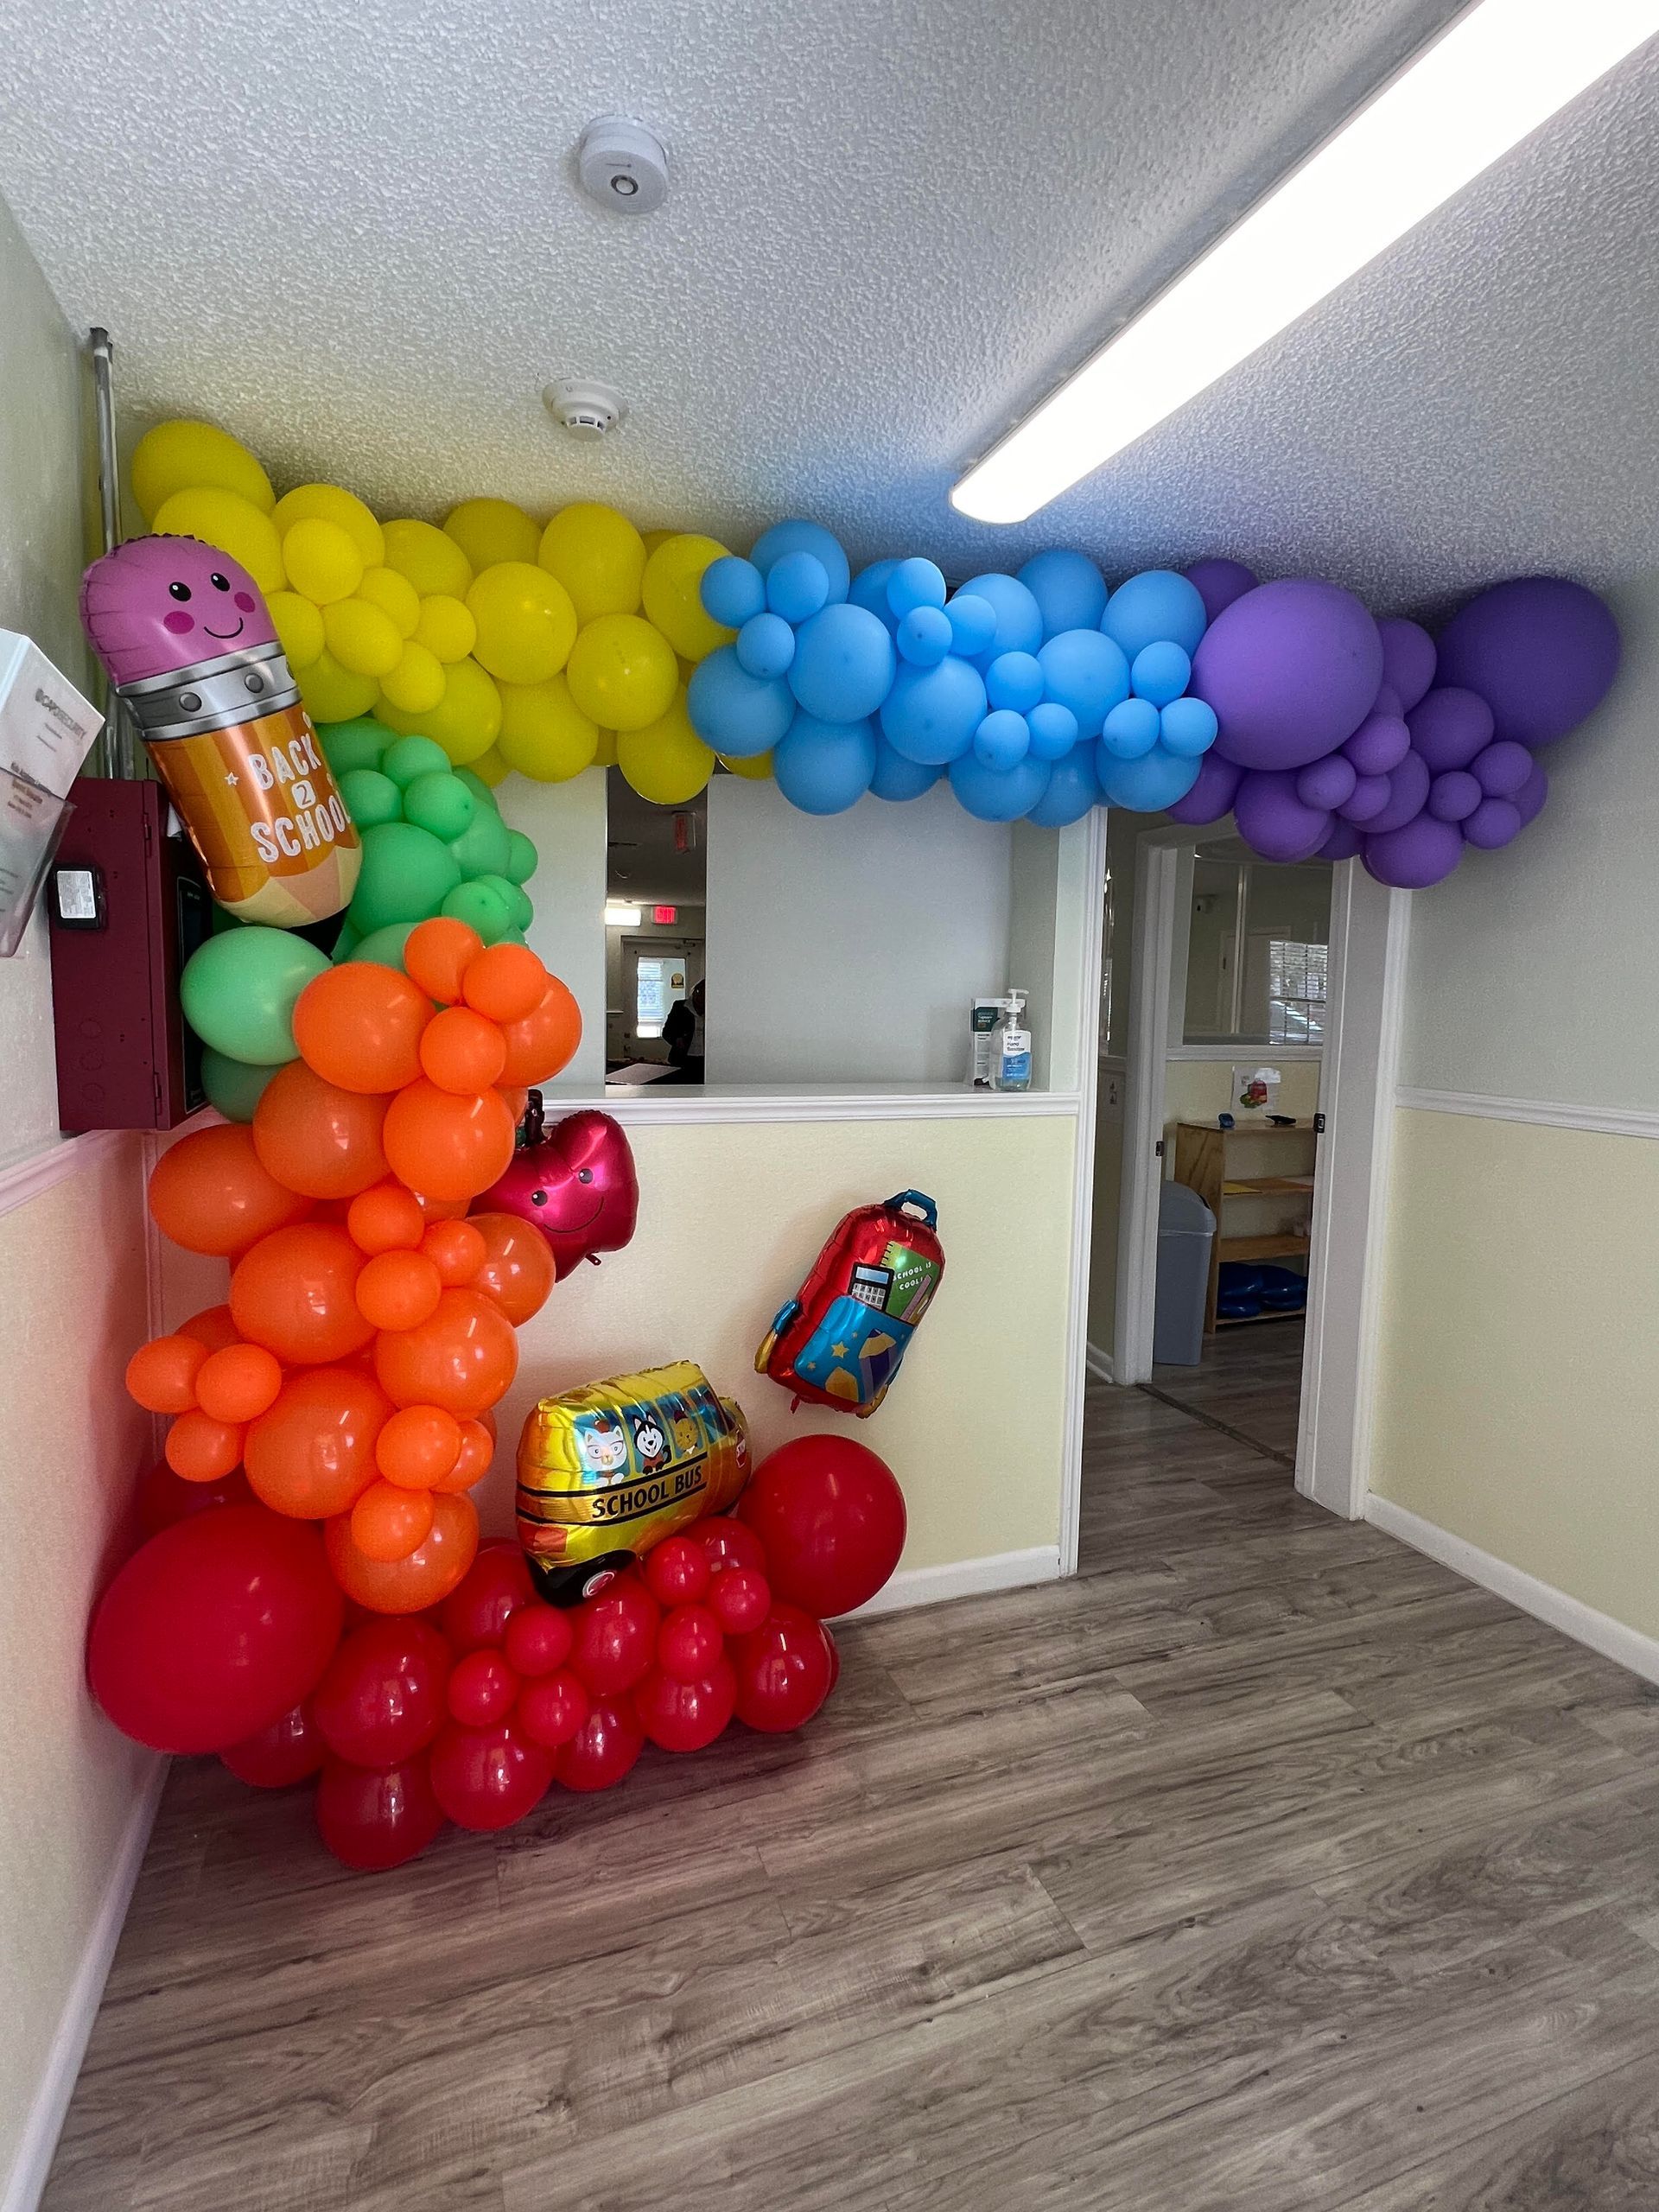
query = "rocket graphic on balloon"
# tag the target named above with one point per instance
(185, 636)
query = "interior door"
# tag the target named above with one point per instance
(656, 971)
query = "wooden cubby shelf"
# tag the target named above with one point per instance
(1227, 1167)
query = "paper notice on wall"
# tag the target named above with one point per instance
(46, 731)
(1255, 1089)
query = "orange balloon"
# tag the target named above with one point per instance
(407, 1585)
(398, 1290)
(313, 1454)
(462, 1051)
(518, 1271)
(517, 1097)
(211, 1192)
(294, 1293)
(543, 1042)
(385, 1218)
(418, 1447)
(212, 1327)
(386, 1522)
(473, 1460)
(161, 1375)
(202, 1450)
(441, 1209)
(358, 1025)
(316, 1137)
(455, 1250)
(506, 982)
(452, 1147)
(437, 955)
(239, 1383)
(462, 1359)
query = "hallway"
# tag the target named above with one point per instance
(1249, 1384)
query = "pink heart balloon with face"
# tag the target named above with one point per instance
(578, 1186)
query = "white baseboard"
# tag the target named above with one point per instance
(1627, 1647)
(1099, 1363)
(57, 2082)
(965, 1578)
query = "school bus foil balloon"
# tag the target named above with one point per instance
(607, 1471)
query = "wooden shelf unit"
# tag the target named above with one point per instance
(1218, 1163)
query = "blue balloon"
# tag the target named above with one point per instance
(733, 711)
(824, 767)
(798, 585)
(1086, 672)
(1002, 739)
(1074, 788)
(931, 714)
(1068, 588)
(1130, 731)
(999, 794)
(844, 665)
(1014, 680)
(766, 645)
(1188, 727)
(973, 624)
(732, 591)
(869, 591)
(896, 777)
(1053, 730)
(915, 582)
(1019, 618)
(1146, 785)
(1156, 604)
(798, 537)
(1159, 672)
(924, 636)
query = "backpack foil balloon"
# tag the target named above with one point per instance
(574, 1181)
(840, 1339)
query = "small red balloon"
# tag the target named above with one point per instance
(288, 1751)
(487, 1779)
(604, 1749)
(690, 1643)
(831, 1517)
(481, 1689)
(497, 1583)
(538, 1639)
(616, 1638)
(727, 1542)
(164, 1497)
(382, 1700)
(375, 1817)
(676, 1571)
(740, 1597)
(685, 1716)
(783, 1670)
(551, 1708)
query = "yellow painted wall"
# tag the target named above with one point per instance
(1197, 1090)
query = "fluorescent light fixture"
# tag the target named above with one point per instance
(618, 916)
(1497, 73)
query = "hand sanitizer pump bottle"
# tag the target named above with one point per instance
(1011, 1047)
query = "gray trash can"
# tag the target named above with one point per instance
(1185, 1226)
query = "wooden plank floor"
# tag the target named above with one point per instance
(1265, 1866)
(1249, 1384)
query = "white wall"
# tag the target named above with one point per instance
(567, 824)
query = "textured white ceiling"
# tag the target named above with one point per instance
(348, 232)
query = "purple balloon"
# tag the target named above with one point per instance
(1529, 799)
(1542, 653)
(1274, 821)
(1503, 769)
(1210, 797)
(1219, 582)
(1494, 823)
(1454, 796)
(1379, 745)
(1388, 700)
(1341, 845)
(1326, 783)
(1407, 659)
(1449, 728)
(1415, 855)
(1367, 800)
(1407, 789)
(1291, 669)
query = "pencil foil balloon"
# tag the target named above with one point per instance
(186, 640)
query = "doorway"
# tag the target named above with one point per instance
(656, 896)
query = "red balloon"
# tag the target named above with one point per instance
(164, 1497)
(539, 1640)
(616, 1638)
(373, 1818)
(835, 1657)
(783, 1671)
(740, 1599)
(487, 1779)
(481, 1689)
(551, 1708)
(214, 1629)
(604, 1749)
(676, 1571)
(727, 1542)
(381, 1700)
(495, 1585)
(831, 1518)
(690, 1643)
(685, 1716)
(288, 1751)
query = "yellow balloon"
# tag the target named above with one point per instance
(465, 721)
(667, 763)
(362, 638)
(298, 625)
(394, 595)
(489, 530)
(606, 756)
(429, 560)
(417, 684)
(179, 456)
(228, 521)
(334, 693)
(322, 560)
(622, 673)
(489, 767)
(328, 503)
(446, 627)
(526, 624)
(598, 555)
(669, 592)
(544, 733)
(652, 538)
(756, 768)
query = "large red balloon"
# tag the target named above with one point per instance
(831, 1518)
(785, 1669)
(476, 1611)
(616, 1638)
(214, 1629)
(604, 1749)
(382, 1700)
(164, 1497)
(289, 1751)
(373, 1818)
(685, 1716)
(487, 1779)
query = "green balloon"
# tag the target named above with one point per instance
(482, 908)
(386, 947)
(232, 1085)
(344, 944)
(482, 846)
(442, 803)
(354, 745)
(407, 874)
(478, 788)
(223, 919)
(239, 990)
(414, 756)
(520, 913)
(522, 858)
(371, 798)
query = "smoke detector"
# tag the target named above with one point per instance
(622, 165)
(586, 410)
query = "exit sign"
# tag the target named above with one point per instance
(664, 913)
